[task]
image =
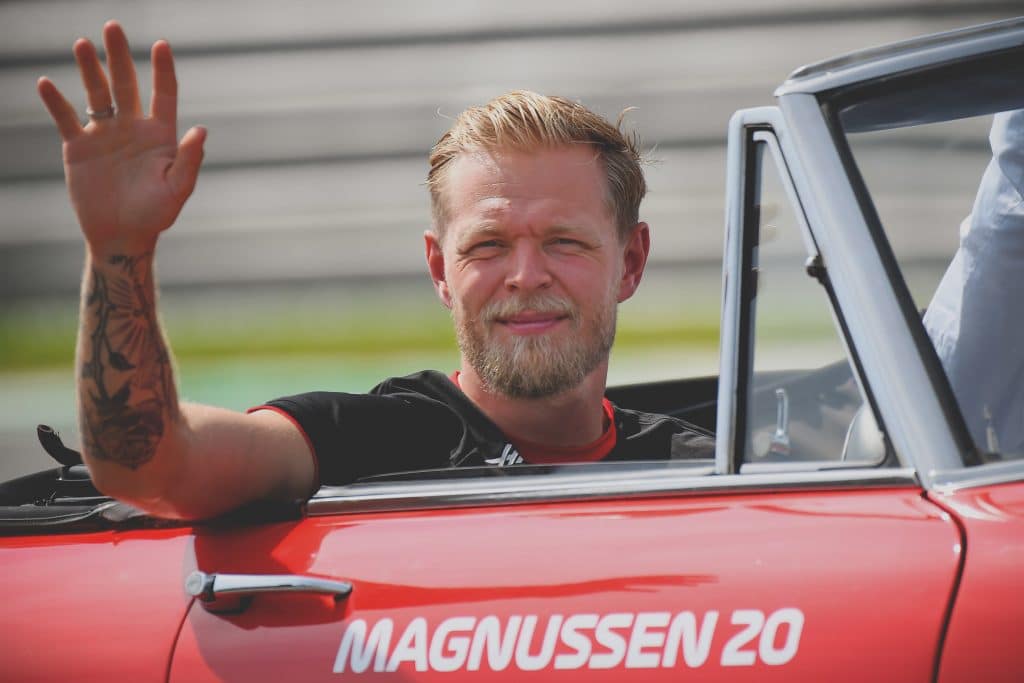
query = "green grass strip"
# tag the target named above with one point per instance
(29, 342)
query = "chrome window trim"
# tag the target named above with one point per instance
(732, 276)
(749, 468)
(949, 481)
(911, 413)
(918, 53)
(732, 266)
(364, 498)
(775, 135)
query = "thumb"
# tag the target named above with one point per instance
(183, 172)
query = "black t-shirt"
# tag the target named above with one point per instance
(424, 421)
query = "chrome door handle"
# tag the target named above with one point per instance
(231, 592)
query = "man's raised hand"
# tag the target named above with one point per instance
(127, 174)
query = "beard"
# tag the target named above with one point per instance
(535, 366)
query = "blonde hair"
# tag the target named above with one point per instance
(526, 121)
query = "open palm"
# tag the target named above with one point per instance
(127, 174)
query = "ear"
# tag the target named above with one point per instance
(634, 260)
(435, 264)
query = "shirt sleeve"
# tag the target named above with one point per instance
(973, 319)
(361, 435)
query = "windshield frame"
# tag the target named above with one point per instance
(971, 86)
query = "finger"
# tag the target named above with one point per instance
(164, 105)
(60, 109)
(97, 91)
(122, 70)
(185, 169)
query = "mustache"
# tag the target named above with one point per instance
(547, 304)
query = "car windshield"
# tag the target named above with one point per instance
(943, 162)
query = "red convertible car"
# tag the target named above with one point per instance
(863, 516)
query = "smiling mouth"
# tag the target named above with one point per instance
(532, 323)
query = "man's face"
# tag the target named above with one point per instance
(533, 268)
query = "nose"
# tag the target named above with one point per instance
(528, 269)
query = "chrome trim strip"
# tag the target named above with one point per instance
(732, 271)
(749, 468)
(732, 264)
(948, 481)
(968, 42)
(362, 498)
(918, 428)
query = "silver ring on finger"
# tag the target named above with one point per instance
(100, 114)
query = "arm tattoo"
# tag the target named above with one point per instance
(127, 390)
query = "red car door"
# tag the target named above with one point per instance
(744, 583)
(103, 606)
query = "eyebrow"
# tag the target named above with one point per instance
(564, 229)
(478, 231)
(487, 229)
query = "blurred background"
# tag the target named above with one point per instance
(298, 262)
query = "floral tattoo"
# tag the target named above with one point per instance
(127, 387)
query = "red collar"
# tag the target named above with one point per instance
(542, 454)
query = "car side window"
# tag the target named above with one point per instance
(803, 402)
(948, 196)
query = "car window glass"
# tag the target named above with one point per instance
(948, 196)
(803, 397)
(922, 182)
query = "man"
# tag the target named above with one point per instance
(535, 241)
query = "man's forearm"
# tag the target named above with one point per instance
(127, 399)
